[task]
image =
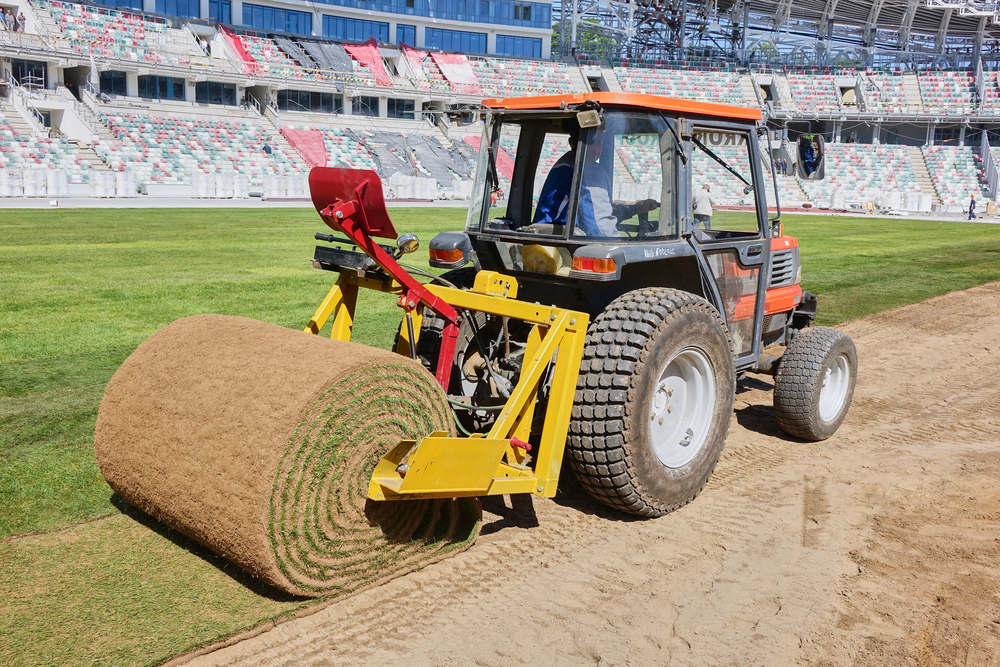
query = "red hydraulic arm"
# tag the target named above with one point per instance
(350, 201)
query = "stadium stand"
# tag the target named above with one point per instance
(193, 132)
(957, 173)
(272, 60)
(21, 149)
(813, 92)
(885, 91)
(703, 85)
(947, 92)
(173, 149)
(861, 173)
(512, 76)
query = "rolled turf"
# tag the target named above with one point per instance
(258, 442)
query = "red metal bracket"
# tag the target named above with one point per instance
(348, 217)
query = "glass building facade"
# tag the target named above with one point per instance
(276, 19)
(354, 30)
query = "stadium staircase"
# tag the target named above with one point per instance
(911, 86)
(14, 118)
(923, 174)
(748, 91)
(610, 78)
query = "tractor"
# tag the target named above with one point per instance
(619, 272)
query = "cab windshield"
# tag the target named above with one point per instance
(625, 188)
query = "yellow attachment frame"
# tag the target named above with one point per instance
(441, 466)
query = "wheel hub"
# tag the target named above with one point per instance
(681, 408)
(833, 388)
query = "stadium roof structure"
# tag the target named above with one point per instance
(786, 31)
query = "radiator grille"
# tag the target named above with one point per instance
(782, 268)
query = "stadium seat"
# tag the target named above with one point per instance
(172, 149)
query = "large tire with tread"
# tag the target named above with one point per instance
(626, 438)
(814, 384)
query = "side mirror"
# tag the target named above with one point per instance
(407, 243)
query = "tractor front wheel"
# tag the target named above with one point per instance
(815, 383)
(654, 401)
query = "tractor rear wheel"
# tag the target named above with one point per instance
(814, 384)
(654, 401)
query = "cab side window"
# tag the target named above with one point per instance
(722, 197)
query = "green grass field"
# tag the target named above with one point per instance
(80, 289)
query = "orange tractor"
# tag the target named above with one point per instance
(618, 273)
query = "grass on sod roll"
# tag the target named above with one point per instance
(80, 289)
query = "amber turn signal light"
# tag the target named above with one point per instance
(449, 256)
(594, 264)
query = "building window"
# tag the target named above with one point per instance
(161, 87)
(309, 100)
(400, 108)
(213, 92)
(186, 8)
(354, 30)
(365, 105)
(113, 83)
(30, 73)
(522, 13)
(455, 40)
(277, 20)
(220, 11)
(406, 34)
(519, 47)
(122, 4)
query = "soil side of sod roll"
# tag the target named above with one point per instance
(258, 442)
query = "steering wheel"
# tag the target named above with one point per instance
(641, 229)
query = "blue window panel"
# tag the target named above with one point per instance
(503, 12)
(406, 34)
(122, 4)
(519, 47)
(400, 108)
(186, 8)
(157, 87)
(354, 30)
(220, 11)
(277, 20)
(455, 40)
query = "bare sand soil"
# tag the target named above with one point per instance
(880, 545)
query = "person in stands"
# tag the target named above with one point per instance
(972, 207)
(20, 22)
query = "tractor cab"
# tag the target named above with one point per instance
(590, 196)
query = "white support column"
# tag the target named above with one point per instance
(420, 40)
(961, 135)
(132, 84)
(392, 32)
(930, 134)
(876, 133)
(203, 10)
(190, 92)
(491, 43)
(149, 5)
(317, 23)
(237, 12)
(348, 105)
(383, 107)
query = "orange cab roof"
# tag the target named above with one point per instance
(687, 107)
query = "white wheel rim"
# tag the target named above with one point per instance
(682, 407)
(833, 391)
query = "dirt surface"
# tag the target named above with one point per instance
(236, 433)
(880, 545)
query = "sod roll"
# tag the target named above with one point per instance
(258, 442)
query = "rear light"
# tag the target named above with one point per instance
(594, 264)
(447, 256)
